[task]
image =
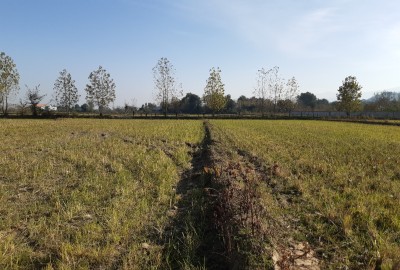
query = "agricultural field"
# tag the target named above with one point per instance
(338, 184)
(194, 194)
(384, 122)
(89, 194)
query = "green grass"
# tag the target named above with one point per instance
(79, 194)
(349, 177)
(92, 193)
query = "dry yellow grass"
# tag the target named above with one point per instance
(348, 176)
(89, 193)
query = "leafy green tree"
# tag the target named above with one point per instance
(84, 107)
(164, 79)
(101, 90)
(245, 104)
(307, 99)
(9, 80)
(231, 105)
(191, 103)
(66, 93)
(77, 108)
(323, 104)
(34, 97)
(175, 105)
(286, 105)
(214, 92)
(349, 95)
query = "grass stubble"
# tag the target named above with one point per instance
(338, 182)
(230, 194)
(79, 194)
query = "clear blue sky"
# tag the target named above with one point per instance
(319, 42)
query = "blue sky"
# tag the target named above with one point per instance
(319, 42)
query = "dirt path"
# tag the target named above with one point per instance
(223, 203)
(193, 238)
(249, 181)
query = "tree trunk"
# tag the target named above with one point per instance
(6, 110)
(4, 107)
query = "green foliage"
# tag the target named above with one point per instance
(349, 95)
(66, 93)
(230, 106)
(214, 91)
(286, 105)
(308, 100)
(191, 103)
(101, 90)
(9, 80)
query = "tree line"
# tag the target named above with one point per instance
(272, 94)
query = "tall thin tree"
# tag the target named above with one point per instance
(165, 83)
(9, 80)
(66, 93)
(261, 90)
(101, 90)
(214, 91)
(290, 94)
(275, 86)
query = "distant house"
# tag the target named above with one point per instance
(46, 107)
(41, 106)
(51, 108)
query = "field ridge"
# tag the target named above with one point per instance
(255, 236)
(191, 237)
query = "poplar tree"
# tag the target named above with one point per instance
(66, 93)
(101, 90)
(261, 90)
(214, 91)
(165, 83)
(9, 80)
(275, 86)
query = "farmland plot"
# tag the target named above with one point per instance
(224, 194)
(89, 193)
(334, 186)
